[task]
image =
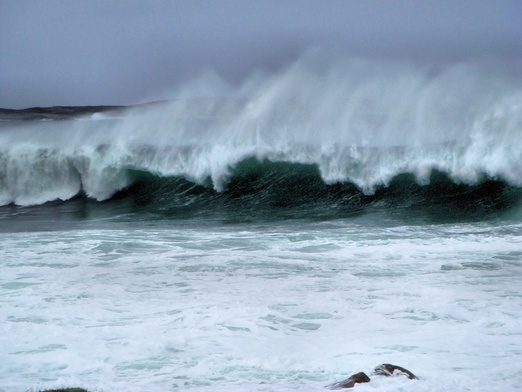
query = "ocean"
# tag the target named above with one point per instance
(277, 235)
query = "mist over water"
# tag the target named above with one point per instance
(61, 53)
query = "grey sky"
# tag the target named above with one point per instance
(76, 52)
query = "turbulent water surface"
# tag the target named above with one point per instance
(277, 235)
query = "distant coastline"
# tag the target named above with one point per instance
(74, 112)
(66, 112)
(55, 112)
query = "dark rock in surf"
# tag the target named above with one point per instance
(357, 378)
(388, 370)
(385, 370)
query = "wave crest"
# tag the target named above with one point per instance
(359, 122)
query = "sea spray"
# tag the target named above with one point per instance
(358, 121)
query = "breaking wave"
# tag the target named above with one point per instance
(321, 129)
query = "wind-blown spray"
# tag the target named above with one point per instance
(358, 121)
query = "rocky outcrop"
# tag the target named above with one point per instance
(357, 378)
(385, 370)
(388, 370)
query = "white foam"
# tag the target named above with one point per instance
(280, 308)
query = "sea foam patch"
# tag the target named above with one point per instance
(203, 309)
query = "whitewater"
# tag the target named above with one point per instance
(277, 234)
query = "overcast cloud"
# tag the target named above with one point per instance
(75, 52)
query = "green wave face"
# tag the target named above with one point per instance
(264, 190)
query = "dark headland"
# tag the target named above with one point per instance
(56, 112)
(68, 112)
(208, 105)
